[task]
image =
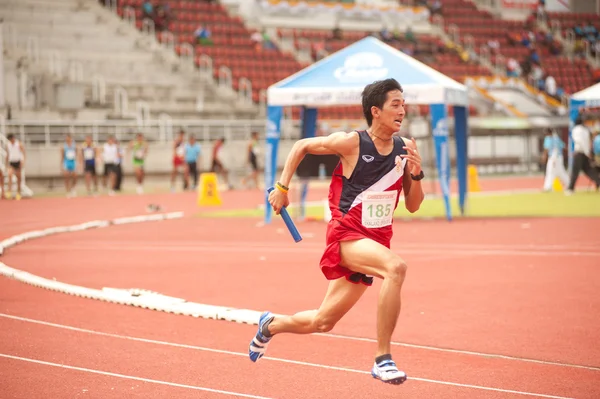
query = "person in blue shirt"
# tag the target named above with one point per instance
(553, 153)
(68, 160)
(596, 150)
(192, 157)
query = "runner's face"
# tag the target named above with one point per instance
(393, 112)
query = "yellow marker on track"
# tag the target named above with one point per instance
(208, 190)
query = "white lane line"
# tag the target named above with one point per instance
(203, 247)
(464, 352)
(131, 377)
(226, 352)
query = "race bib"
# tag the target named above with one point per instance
(378, 208)
(139, 154)
(180, 151)
(70, 154)
(88, 154)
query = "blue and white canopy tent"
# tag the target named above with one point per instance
(586, 98)
(340, 79)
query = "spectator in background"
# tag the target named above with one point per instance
(192, 159)
(147, 10)
(217, 162)
(579, 48)
(161, 20)
(257, 38)
(336, 34)
(253, 160)
(596, 150)
(582, 155)
(178, 158)
(494, 45)
(596, 75)
(534, 57)
(68, 163)
(409, 36)
(513, 69)
(553, 157)
(435, 7)
(537, 76)
(267, 43)
(202, 36)
(110, 158)
(550, 85)
(386, 36)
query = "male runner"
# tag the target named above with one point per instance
(253, 160)
(88, 156)
(139, 150)
(178, 158)
(15, 163)
(374, 167)
(68, 160)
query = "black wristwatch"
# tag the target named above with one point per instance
(418, 177)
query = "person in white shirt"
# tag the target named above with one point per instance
(553, 153)
(582, 155)
(110, 157)
(15, 162)
(550, 85)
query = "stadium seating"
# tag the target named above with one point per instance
(70, 41)
(481, 27)
(232, 49)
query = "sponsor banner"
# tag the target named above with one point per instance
(439, 123)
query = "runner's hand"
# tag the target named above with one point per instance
(278, 200)
(413, 157)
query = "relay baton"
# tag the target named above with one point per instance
(288, 221)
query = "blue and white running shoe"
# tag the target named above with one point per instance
(387, 372)
(258, 345)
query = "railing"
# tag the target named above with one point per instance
(76, 71)
(49, 133)
(303, 48)
(142, 114)
(55, 64)
(165, 127)
(129, 15)
(33, 48)
(205, 66)
(98, 89)
(148, 27)
(262, 102)
(111, 5)
(10, 35)
(225, 78)
(454, 33)
(121, 101)
(186, 56)
(469, 42)
(245, 89)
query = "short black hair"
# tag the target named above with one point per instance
(375, 94)
(10, 136)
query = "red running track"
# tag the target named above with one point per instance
(156, 347)
(523, 291)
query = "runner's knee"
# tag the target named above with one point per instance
(396, 270)
(323, 323)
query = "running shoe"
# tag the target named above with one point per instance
(387, 372)
(258, 345)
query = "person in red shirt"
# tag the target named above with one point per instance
(179, 164)
(217, 162)
(375, 167)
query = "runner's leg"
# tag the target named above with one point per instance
(341, 296)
